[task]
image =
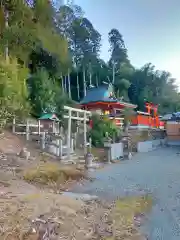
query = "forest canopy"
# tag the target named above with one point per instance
(50, 55)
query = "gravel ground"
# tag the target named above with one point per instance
(156, 172)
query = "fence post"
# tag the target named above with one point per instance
(72, 144)
(14, 125)
(85, 134)
(27, 130)
(109, 155)
(43, 136)
(53, 126)
(77, 127)
(90, 145)
(39, 127)
(75, 140)
(57, 147)
(60, 148)
(58, 127)
(69, 136)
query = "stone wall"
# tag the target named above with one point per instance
(148, 146)
(116, 151)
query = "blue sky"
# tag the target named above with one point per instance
(151, 29)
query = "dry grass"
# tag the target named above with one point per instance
(75, 218)
(99, 153)
(124, 213)
(46, 173)
(17, 213)
(131, 206)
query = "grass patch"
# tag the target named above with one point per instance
(46, 173)
(124, 212)
(131, 206)
(99, 153)
(33, 196)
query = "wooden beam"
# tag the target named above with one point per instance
(76, 110)
(76, 118)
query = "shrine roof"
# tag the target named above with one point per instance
(103, 94)
(100, 94)
(49, 116)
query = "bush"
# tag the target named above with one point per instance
(101, 127)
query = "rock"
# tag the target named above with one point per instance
(88, 160)
(130, 156)
(3, 157)
(82, 197)
(24, 153)
(95, 166)
(114, 161)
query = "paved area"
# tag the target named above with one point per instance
(157, 172)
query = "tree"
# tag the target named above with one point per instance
(40, 58)
(84, 44)
(42, 93)
(117, 49)
(30, 26)
(45, 94)
(102, 127)
(13, 90)
(148, 84)
(128, 113)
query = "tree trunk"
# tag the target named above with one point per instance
(69, 84)
(90, 79)
(113, 73)
(6, 26)
(90, 76)
(65, 85)
(77, 79)
(62, 83)
(97, 84)
(126, 127)
(84, 81)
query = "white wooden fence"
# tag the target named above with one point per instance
(26, 128)
(54, 142)
(60, 144)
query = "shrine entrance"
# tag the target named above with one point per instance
(78, 115)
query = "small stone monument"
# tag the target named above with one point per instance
(107, 145)
(127, 149)
(89, 160)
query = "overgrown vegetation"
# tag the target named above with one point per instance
(103, 128)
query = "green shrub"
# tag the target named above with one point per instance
(102, 126)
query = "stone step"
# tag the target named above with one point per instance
(72, 156)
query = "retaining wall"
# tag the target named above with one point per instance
(150, 145)
(116, 151)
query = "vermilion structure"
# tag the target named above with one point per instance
(103, 101)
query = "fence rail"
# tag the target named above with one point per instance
(56, 141)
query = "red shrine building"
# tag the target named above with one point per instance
(103, 101)
(150, 118)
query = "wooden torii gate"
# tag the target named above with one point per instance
(78, 115)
